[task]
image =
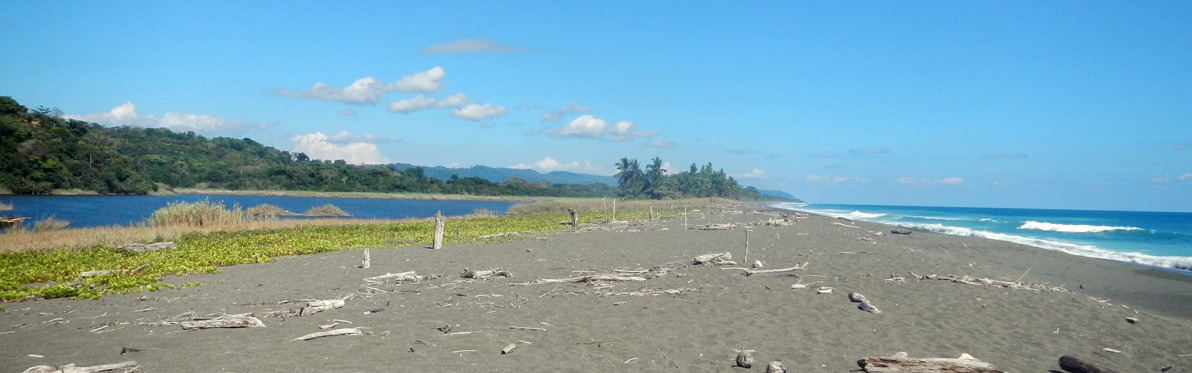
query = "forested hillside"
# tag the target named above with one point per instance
(41, 152)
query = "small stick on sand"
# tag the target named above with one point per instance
(533, 329)
(330, 333)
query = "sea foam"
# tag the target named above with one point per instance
(1072, 228)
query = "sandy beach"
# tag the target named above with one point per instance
(684, 318)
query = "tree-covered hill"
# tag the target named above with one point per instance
(41, 152)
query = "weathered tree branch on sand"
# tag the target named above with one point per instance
(751, 272)
(127, 366)
(230, 321)
(485, 274)
(987, 282)
(589, 278)
(314, 307)
(899, 363)
(715, 259)
(330, 333)
(411, 276)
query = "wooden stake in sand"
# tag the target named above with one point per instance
(367, 262)
(684, 217)
(746, 260)
(437, 243)
(574, 219)
(614, 209)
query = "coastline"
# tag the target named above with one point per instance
(691, 319)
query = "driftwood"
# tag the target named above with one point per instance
(1074, 365)
(751, 272)
(836, 223)
(366, 263)
(904, 233)
(411, 276)
(314, 307)
(485, 273)
(899, 363)
(718, 227)
(233, 321)
(987, 282)
(95, 273)
(715, 259)
(127, 366)
(508, 349)
(330, 333)
(589, 278)
(146, 247)
(775, 367)
(437, 241)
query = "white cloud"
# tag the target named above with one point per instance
(477, 112)
(920, 181)
(828, 180)
(475, 46)
(411, 105)
(589, 127)
(428, 81)
(549, 164)
(661, 144)
(755, 174)
(348, 112)
(369, 91)
(345, 137)
(126, 115)
(319, 146)
(1186, 177)
(556, 115)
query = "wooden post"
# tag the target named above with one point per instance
(574, 219)
(614, 209)
(746, 247)
(651, 212)
(604, 207)
(367, 261)
(684, 217)
(439, 222)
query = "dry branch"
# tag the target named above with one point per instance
(714, 259)
(987, 282)
(899, 363)
(751, 272)
(127, 366)
(330, 333)
(485, 273)
(234, 321)
(314, 307)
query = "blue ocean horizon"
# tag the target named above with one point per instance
(1156, 239)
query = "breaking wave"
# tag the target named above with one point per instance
(1072, 228)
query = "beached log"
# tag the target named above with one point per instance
(836, 223)
(775, 367)
(437, 241)
(127, 366)
(1073, 365)
(574, 218)
(95, 273)
(745, 359)
(485, 274)
(224, 322)
(868, 307)
(312, 308)
(714, 259)
(330, 333)
(411, 276)
(143, 247)
(904, 233)
(718, 227)
(590, 278)
(508, 349)
(987, 282)
(856, 297)
(899, 363)
(751, 272)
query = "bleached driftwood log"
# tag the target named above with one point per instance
(987, 282)
(836, 223)
(366, 263)
(1074, 365)
(330, 333)
(715, 259)
(508, 349)
(411, 276)
(751, 272)
(437, 240)
(899, 363)
(775, 367)
(718, 227)
(127, 366)
(485, 274)
(589, 278)
(231, 321)
(317, 306)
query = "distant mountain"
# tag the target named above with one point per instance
(499, 174)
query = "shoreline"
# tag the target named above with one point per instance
(692, 318)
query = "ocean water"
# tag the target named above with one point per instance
(1157, 239)
(98, 211)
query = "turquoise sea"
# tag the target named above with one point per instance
(1157, 239)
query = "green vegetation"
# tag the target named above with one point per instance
(55, 274)
(41, 153)
(196, 214)
(654, 183)
(327, 210)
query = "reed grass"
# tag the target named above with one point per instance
(267, 210)
(50, 224)
(327, 210)
(196, 214)
(5, 206)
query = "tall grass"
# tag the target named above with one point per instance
(196, 214)
(50, 224)
(327, 210)
(560, 206)
(267, 210)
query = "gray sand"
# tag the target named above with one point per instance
(708, 315)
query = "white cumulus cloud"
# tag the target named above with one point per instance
(1186, 177)
(754, 174)
(127, 115)
(919, 181)
(589, 127)
(475, 46)
(369, 91)
(477, 112)
(549, 164)
(319, 146)
(828, 180)
(422, 102)
(661, 144)
(556, 115)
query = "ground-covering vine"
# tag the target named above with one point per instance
(56, 274)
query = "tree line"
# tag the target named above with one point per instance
(41, 152)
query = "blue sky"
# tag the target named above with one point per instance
(1061, 104)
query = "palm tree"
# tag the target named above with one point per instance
(629, 177)
(655, 177)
